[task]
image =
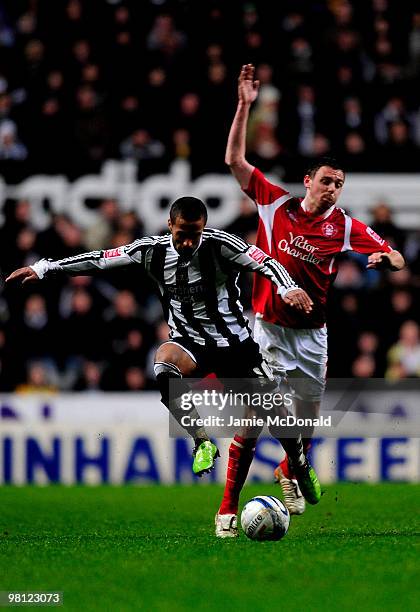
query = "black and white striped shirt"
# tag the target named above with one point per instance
(200, 295)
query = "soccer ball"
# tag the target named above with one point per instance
(265, 518)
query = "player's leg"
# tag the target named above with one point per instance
(283, 473)
(304, 409)
(306, 479)
(278, 346)
(241, 454)
(280, 354)
(248, 363)
(173, 362)
(308, 382)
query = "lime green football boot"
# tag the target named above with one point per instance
(308, 482)
(205, 454)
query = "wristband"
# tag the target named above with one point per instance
(41, 267)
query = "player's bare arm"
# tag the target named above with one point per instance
(236, 145)
(386, 261)
(24, 274)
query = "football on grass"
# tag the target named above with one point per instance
(265, 518)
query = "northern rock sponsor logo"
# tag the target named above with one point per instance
(298, 246)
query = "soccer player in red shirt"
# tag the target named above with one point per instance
(304, 235)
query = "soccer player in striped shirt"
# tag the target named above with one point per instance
(305, 235)
(196, 270)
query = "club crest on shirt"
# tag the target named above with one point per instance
(328, 229)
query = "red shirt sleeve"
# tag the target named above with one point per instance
(364, 240)
(261, 190)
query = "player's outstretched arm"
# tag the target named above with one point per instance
(236, 145)
(386, 261)
(83, 264)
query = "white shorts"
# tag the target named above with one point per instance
(299, 354)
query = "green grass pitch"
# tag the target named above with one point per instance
(153, 548)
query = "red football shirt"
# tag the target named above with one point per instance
(306, 245)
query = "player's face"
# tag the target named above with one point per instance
(325, 187)
(186, 235)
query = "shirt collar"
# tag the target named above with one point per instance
(324, 215)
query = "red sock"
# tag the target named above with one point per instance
(285, 468)
(241, 454)
(284, 464)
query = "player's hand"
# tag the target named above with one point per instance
(379, 261)
(247, 87)
(298, 298)
(26, 275)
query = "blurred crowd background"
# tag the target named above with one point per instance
(154, 81)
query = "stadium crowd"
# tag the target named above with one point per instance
(82, 82)
(153, 81)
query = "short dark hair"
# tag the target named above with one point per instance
(189, 208)
(323, 161)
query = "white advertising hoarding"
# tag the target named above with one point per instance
(124, 438)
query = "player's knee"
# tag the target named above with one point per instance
(173, 355)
